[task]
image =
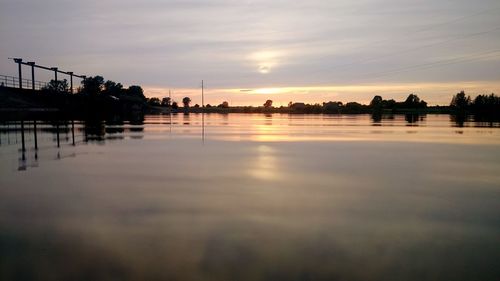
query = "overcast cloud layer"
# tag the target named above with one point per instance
(308, 47)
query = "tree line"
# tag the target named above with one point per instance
(109, 94)
(480, 104)
(95, 94)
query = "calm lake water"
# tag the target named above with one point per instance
(251, 197)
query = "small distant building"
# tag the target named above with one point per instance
(298, 106)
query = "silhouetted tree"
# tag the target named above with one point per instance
(376, 102)
(186, 101)
(57, 87)
(136, 92)
(390, 104)
(268, 104)
(197, 106)
(413, 101)
(112, 88)
(92, 85)
(175, 105)
(154, 102)
(166, 101)
(332, 107)
(224, 104)
(297, 107)
(460, 101)
(487, 104)
(353, 107)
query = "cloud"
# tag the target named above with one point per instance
(176, 43)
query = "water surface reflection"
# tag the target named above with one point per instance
(250, 197)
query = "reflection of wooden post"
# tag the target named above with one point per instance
(22, 136)
(73, 131)
(57, 132)
(36, 139)
(85, 137)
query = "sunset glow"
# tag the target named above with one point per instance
(433, 93)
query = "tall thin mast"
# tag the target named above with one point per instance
(202, 96)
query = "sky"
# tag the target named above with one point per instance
(251, 50)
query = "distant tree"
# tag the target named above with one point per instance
(136, 92)
(479, 101)
(460, 101)
(154, 102)
(224, 104)
(208, 105)
(186, 101)
(389, 104)
(376, 102)
(166, 102)
(112, 88)
(413, 101)
(57, 87)
(93, 85)
(298, 107)
(353, 107)
(332, 107)
(290, 104)
(197, 106)
(487, 104)
(175, 105)
(268, 104)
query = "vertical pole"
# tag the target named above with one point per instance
(71, 81)
(55, 73)
(202, 95)
(36, 139)
(20, 76)
(19, 61)
(33, 75)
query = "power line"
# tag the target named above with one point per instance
(414, 49)
(461, 37)
(482, 55)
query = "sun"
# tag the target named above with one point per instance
(264, 69)
(265, 60)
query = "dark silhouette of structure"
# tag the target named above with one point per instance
(33, 65)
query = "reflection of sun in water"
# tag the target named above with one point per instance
(265, 164)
